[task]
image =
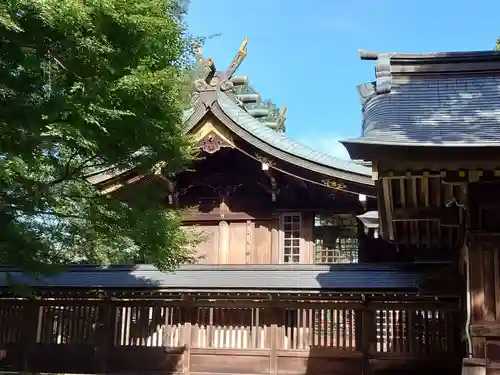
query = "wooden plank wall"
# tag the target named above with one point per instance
(238, 242)
(338, 337)
(249, 241)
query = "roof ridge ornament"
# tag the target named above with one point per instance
(205, 67)
(238, 59)
(281, 119)
(209, 80)
(383, 73)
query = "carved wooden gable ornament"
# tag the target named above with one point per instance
(212, 138)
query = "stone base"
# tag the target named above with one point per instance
(473, 366)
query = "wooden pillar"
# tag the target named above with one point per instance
(368, 335)
(104, 333)
(223, 242)
(186, 342)
(107, 319)
(30, 328)
(274, 317)
(273, 351)
(275, 241)
(484, 275)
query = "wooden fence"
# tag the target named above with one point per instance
(233, 337)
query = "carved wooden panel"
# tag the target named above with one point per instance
(212, 143)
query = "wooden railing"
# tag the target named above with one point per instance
(116, 336)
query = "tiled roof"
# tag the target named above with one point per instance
(443, 111)
(441, 99)
(312, 278)
(283, 143)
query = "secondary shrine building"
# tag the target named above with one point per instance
(294, 275)
(431, 128)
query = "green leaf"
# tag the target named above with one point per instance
(85, 84)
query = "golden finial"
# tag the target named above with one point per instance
(238, 59)
(243, 47)
(282, 111)
(281, 119)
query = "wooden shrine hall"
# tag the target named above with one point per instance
(294, 275)
(431, 128)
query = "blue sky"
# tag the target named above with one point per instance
(304, 53)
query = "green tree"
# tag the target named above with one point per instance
(83, 84)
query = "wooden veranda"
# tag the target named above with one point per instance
(230, 334)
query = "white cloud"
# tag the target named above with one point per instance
(329, 144)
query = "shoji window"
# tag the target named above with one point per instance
(290, 233)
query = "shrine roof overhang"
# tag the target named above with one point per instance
(267, 141)
(445, 101)
(276, 144)
(229, 98)
(352, 278)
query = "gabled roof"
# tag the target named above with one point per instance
(266, 278)
(217, 93)
(277, 144)
(440, 99)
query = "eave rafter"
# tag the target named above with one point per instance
(425, 208)
(270, 165)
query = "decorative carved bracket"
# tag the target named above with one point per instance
(334, 184)
(213, 142)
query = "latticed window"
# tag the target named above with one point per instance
(291, 238)
(336, 239)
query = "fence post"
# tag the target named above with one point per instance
(30, 331)
(186, 342)
(273, 352)
(107, 317)
(273, 314)
(368, 332)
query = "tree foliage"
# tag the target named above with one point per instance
(83, 84)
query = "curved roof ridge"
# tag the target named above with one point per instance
(282, 142)
(186, 114)
(372, 55)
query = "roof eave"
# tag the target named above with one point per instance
(220, 113)
(374, 150)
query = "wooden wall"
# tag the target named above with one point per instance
(250, 240)
(231, 200)
(237, 241)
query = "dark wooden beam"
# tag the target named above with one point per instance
(190, 216)
(446, 216)
(485, 330)
(386, 190)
